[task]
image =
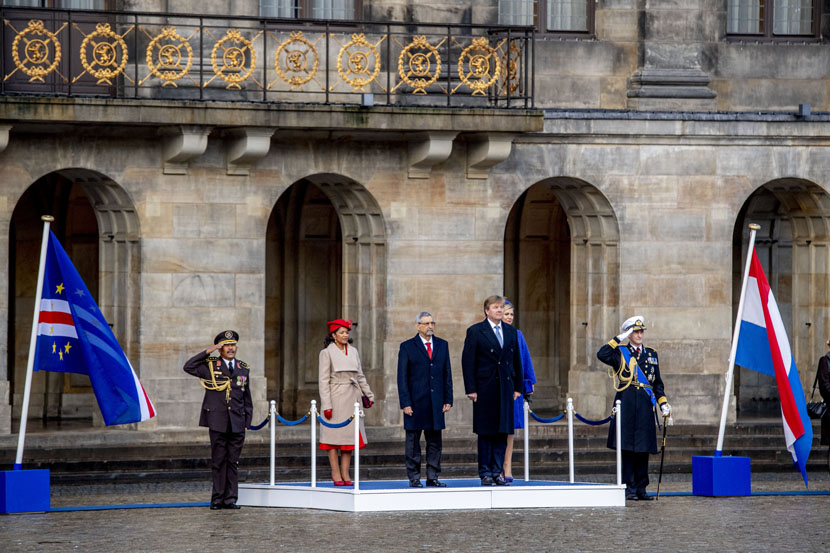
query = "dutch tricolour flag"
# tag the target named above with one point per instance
(73, 336)
(763, 347)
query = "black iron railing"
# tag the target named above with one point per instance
(197, 57)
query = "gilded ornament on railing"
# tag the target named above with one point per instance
(41, 52)
(237, 59)
(415, 64)
(108, 53)
(169, 56)
(479, 66)
(511, 82)
(362, 61)
(293, 58)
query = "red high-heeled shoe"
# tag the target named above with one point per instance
(348, 483)
(338, 482)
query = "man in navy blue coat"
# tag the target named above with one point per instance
(425, 393)
(493, 379)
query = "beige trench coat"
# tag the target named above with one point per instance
(342, 383)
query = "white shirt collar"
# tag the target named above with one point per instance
(425, 341)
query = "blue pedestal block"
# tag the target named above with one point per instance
(24, 491)
(721, 476)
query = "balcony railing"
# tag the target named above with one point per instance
(198, 57)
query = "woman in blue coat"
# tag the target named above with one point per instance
(518, 404)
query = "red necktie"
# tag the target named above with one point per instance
(638, 352)
(429, 349)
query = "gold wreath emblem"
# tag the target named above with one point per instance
(165, 56)
(416, 71)
(36, 52)
(474, 66)
(235, 67)
(294, 68)
(108, 58)
(362, 65)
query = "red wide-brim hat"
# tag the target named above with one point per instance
(337, 323)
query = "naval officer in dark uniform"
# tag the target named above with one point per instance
(639, 418)
(226, 410)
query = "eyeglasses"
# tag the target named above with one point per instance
(428, 324)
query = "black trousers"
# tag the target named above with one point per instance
(413, 453)
(635, 471)
(225, 449)
(491, 449)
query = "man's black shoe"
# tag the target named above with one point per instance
(488, 481)
(415, 484)
(631, 496)
(435, 483)
(644, 497)
(232, 506)
(215, 507)
(500, 481)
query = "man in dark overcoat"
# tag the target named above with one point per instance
(493, 379)
(227, 410)
(639, 419)
(425, 394)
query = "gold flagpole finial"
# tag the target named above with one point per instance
(754, 226)
(47, 218)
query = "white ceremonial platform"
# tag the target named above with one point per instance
(396, 495)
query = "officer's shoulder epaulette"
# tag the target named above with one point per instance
(243, 364)
(650, 348)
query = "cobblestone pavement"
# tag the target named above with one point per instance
(759, 523)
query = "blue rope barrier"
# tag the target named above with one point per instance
(545, 421)
(292, 423)
(593, 423)
(260, 425)
(334, 425)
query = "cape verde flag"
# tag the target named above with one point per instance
(763, 347)
(73, 336)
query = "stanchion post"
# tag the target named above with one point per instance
(571, 439)
(618, 422)
(527, 442)
(313, 415)
(356, 447)
(273, 414)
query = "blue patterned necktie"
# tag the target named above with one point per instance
(497, 328)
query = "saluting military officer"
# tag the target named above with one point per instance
(636, 375)
(227, 411)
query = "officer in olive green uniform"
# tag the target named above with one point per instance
(227, 411)
(638, 425)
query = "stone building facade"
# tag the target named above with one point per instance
(641, 139)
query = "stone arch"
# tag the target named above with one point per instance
(331, 213)
(111, 254)
(793, 246)
(562, 267)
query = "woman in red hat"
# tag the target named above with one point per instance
(342, 383)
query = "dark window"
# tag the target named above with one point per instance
(772, 18)
(554, 16)
(311, 9)
(65, 4)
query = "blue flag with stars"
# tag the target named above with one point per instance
(73, 336)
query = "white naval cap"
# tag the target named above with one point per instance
(637, 322)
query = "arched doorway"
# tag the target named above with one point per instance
(793, 247)
(325, 258)
(98, 227)
(562, 270)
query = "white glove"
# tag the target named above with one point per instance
(624, 335)
(666, 408)
(669, 421)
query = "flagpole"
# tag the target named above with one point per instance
(18, 462)
(753, 228)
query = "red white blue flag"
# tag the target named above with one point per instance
(73, 336)
(763, 347)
